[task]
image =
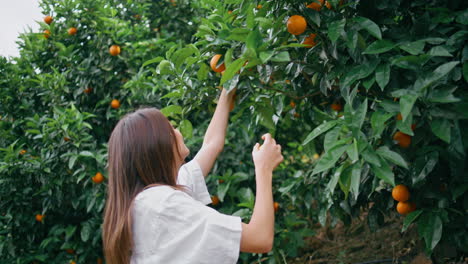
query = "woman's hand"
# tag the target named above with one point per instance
(267, 156)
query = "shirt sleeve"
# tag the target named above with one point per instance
(202, 233)
(191, 176)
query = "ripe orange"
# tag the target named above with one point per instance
(400, 193)
(214, 200)
(296, 25)
(259, 6)
(115, 104)
(276, 206)
(315, 5)
(66, 139)
(88, 90)
(72, 262)
(46, 33)
(22, 152)
(70, 251)
(99, 261)
(336, 107)
(399, 117)
(328, 5)
(287, 82)
(114, 50)
(214, 64)
(402, 139)
(405, 208)
(292, 104)
(98, 178)
(230, 12)
(310, 41)
(72, 31)
(48, 20)
(220, 181)
(316, 156)
(297, 115)
(39, 217)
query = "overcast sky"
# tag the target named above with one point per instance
(15, 17)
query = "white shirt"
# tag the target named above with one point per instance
(172, 226)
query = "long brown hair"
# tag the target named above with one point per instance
(142, 152)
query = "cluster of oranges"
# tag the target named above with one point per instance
(114, 50)
(401, 194)
(297, 24)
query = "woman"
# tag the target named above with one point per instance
(156, 205)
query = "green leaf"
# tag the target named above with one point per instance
(203, 71)
(85, 232)
(413, 48)
(384, 172)
(254, 40)
(423, 165)
(443, 96)
(334, 179)
(164, 67)
(335, 29)
(330, 138)
(411, 62)
(171, 110)
(382, 75)
(352, 151)
(324, 127)
(155, 60)
(392, 156)
(239, 34)
(222, 190)
(439, 51)
(430, 228)
(186, 128)
(178, 57)
(370, 26)
(378, 120)
(359, 72)
(232, 69)
(441, 128)
(439, 73)
(379, 46)
(465, 71)
(69, 231)
(281, 57)
(355, 179)
(406, 104)
(410, 218)
(369, 155)
(87, 154)
(345, 181)
(265, 56)
(329, 159)
(71, 161)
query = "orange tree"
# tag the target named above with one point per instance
(376, 90)
(59, 100)
(363, 98)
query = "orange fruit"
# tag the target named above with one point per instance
(315, 5)
(287, 82)
(220, 181)
(214, 200)
(413, 127)
(39, 217)
(292, 104)
(48, 20)
(336, 107)
(259, 6)
(70, 251)
(214, 64)
(316, 156)
(276, 206)
(114, 50)
(72, 31)
(400, 193)
(328, 5)
(72, 262)
(310, 41)
(98, 178)
(297, 115)
(405, 208)
(88, 90)
(22, 152)
(402, 139)
(99, 261)
(296, 25)
(66, 139)
(115, 104)
(46, 33)
(399, 116)
(230, 12)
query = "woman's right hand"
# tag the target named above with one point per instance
(267, 156)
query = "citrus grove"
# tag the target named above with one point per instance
(367, 98)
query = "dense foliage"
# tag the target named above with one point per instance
(374, 97)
